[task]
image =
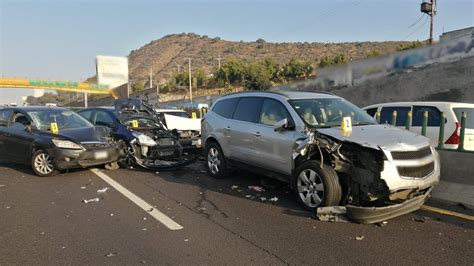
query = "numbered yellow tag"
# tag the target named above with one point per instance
(346, 124)
(54, 128)
(194, 115)
(135, 123)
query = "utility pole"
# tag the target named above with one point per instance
(429, 8)
(151, 78)
(85, 100)
(179, 68)
(190, 80)
(219, 60)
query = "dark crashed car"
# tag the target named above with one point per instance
(148, 142)
(53, 139)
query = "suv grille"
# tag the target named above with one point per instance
(416, 171)
(411, 155)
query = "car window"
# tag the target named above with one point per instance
(225, 108)
(402, 112)
(272, 112)
(4, 117)
(103, 118)
(469, 116)
(86, 114)
(21, 119)
(64, 119)
(371, 111)
(433, 115)
(248, 109)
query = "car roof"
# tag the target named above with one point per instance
(282, 95)
(36, 108)
(445, 104)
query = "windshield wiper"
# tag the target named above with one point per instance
(363, 123)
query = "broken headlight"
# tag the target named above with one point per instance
(144, 139)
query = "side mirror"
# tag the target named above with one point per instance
(284, 124)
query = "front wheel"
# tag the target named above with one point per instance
(42, 164)
(216, 163)
(315, 186)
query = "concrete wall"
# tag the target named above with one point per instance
(457, 167)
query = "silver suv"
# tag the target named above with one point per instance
(376, 171)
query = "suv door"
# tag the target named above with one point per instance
(242, 129)
(273, 149)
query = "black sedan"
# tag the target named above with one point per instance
(52, 139)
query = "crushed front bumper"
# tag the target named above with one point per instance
(368, 215)
(70, 159)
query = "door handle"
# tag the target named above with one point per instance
(257, 134)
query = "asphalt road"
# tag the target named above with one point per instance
(44, 221)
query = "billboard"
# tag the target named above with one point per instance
(112, 70)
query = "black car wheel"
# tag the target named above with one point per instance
(42, 164)
(216, 163)
(315, 186)
(128, 160)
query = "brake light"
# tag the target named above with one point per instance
(454, 139)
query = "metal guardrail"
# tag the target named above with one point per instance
(424, 126)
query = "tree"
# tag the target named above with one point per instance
(137, 86)
(293, 69)
(272, 67)
(338, 59)
(201, 77)
(257, 77)
(231, 72)
(409, 45)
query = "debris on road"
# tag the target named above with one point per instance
(144, 218)
(103, 190)
(358, 238)
(464, 207)
(42, 233)
(111, 254)
(150, 210)
(186, 240)
(263, 198)
(382, 224)
(111, 214)
(256, 188)
(332, 214)
(91, 200)
(274, 199)
(144, 229)
(2, 186)
(419, 219)
(83, 187)
(234, 187)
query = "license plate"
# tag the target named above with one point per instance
(100, 155)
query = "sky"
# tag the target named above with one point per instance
(59, 39)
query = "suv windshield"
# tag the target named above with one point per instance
(64, 118)
(328, 112)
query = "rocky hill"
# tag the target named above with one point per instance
(167, 54)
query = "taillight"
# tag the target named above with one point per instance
(454, 139)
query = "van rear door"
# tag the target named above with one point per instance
(469, 132)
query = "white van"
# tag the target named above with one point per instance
(452, 111)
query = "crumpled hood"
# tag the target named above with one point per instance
(375, 136)
(81, 134)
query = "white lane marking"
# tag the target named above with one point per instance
(161, 217)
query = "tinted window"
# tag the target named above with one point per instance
(272, 112)
(248, 109)
(4, 117)
(433, 115)
(86, 114)
(225, 107)
(469, 116)
(402, 112)
(103, 118)
(371, 111)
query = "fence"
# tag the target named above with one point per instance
(424, 125)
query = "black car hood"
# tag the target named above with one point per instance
(81, 134)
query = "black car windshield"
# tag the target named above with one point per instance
(65, 119)
(328, 112)
(142, 122)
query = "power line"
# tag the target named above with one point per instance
(417, 29)
(416, 22)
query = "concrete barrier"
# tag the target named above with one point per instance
(457, 178)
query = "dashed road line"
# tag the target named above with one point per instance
(161, 217)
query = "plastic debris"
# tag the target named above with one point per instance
(274, 199)
(419, 219)
(103, 190)
(8, 207)
(186, 240)
(263, 198)
(358, 238)
(111, 254)
(234, 187)
(83, 187)
(91, 200)
(111, 214)
(144, 218)
(2, 186)
(150, 210)
(42, 233)
(382, 224)
(248, 196)
(256, 188)
(332, 214)
(144, 229)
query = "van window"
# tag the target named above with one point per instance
(248, 109)
(469, 116)
(225, 108)
(402, 112)
(433, 116)
(371, 111)
(4, 117)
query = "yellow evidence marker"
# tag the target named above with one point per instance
(54, 128)
(134, 123)
(346, 125)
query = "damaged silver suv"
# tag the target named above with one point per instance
(376, 171)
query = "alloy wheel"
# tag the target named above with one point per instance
(213, 161)
(310, 188)
(44, 164)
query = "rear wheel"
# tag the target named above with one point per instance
(216, 163)
(42, 164)
(315, 187)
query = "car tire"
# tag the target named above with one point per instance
(128, 160)
(315, 186)
(42, 164)
(215, 161)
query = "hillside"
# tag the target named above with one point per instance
(165, 54)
